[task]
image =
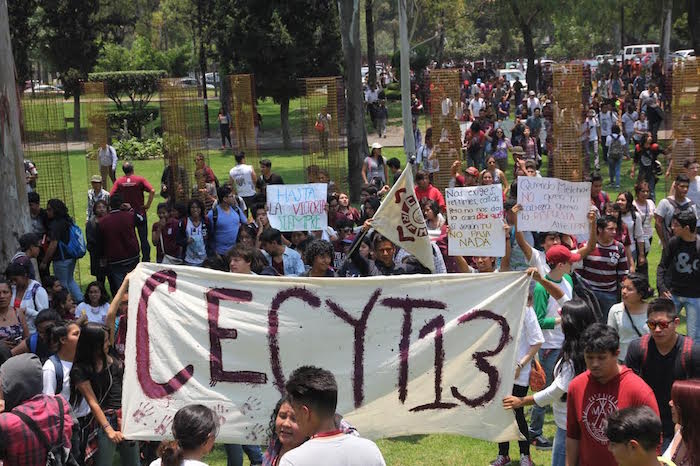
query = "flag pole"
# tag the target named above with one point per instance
(409, 142)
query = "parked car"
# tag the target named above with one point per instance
(606, 56)
(632, 51)
(44, 89)
(191, 82)
(686, 53)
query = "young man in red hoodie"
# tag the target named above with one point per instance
(425, 189)
(603, 389)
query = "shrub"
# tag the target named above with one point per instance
(133, 149)
(134, 120)
(391, 94)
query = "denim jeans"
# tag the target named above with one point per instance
(614, 170)
(234, 454)
(692, 310)
(548, 359)
(143, 239)
(606, 300)
(128, 449)
(117, 272)
(64, 270)
(559, 449)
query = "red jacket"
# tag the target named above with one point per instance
(431, 193)
(117, 236)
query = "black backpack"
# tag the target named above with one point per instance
(56, 455)
(676, 209)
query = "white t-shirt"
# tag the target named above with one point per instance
(341, 450)
(532, 104)
(628, 120)
(607, 119)
(647, 213)
(590, 125)
(93, 314)
(156, 462)
(609, 139)
(554, 337)
(642, 126)
(35, 299)
(49, 378)
(634, 228)
(539, 260)
(241, 176)
(617, 318)
(531, 335)
(552, 394)
(694, 191)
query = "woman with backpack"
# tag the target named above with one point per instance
(97, 377)
(633, 220)
(617, 148)
(576, 316)
(645, 157)
(27, 294)
(59, 235)
(193, 234)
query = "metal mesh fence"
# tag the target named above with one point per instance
(323, 125)
(95, 109)
(184, 135)
(45, 145)
(567, 150)
(244, 114)
(446, 133)
(686, 124)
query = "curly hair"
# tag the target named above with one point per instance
(317, 248)
(271, 434)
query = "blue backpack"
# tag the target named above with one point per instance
(75, 248)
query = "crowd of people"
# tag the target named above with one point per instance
(622, 381)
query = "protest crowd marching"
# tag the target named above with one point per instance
(597, 344)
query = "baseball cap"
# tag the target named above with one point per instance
(472, 171)
(95, 179)
(376, 145)
(559, 253)
(531, 93)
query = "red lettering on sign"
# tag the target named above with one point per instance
(150, 387)
(216, 334)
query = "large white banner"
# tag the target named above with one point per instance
(297, 207)
(409, 358)
(475, 215)
(551, 204)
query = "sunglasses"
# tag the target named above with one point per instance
(661, 324)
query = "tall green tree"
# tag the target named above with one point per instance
(23, 36)
(72, 47)
(279, 41)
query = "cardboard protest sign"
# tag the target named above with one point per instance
(408, 359)
(551, 204)
(297, 207)
(475, 216)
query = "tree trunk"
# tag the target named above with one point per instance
(371, 58)
(13, 190)
(622, 25)
(203, 64)
(441, 40)
(76, 114)
(694, 25)
(531, 73)
(284, 120)
(349, 13)
(665, 43)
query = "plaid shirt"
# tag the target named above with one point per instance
(19, 446)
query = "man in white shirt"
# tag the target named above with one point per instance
(243, 179)
(476, 104)
(532, 103)
(607, 119)
(314, 393)
(628, 119)
(590, 136)
(107, 159)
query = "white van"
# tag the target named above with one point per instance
(632, 51)
(510, 74)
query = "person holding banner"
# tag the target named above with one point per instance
(313, 394)
(319, 256)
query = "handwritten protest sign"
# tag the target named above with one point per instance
(475, 215)
(297, 207)
(407, 360)
(551, 204)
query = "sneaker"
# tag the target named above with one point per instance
(525, 460)
(501, 461)
(541, 443)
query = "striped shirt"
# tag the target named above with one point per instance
(605, 267)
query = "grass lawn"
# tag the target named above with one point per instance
(410, 450)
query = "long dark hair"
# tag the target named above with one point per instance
(576, 316)
(90, 348)
(192, 426)
(59, 209)
(104, 297)
(271, 434)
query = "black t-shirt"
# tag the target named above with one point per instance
(660, 371)
(59, 230)
(679, 269)
(262, 182)
(100, 383)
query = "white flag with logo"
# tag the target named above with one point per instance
(400, 219)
